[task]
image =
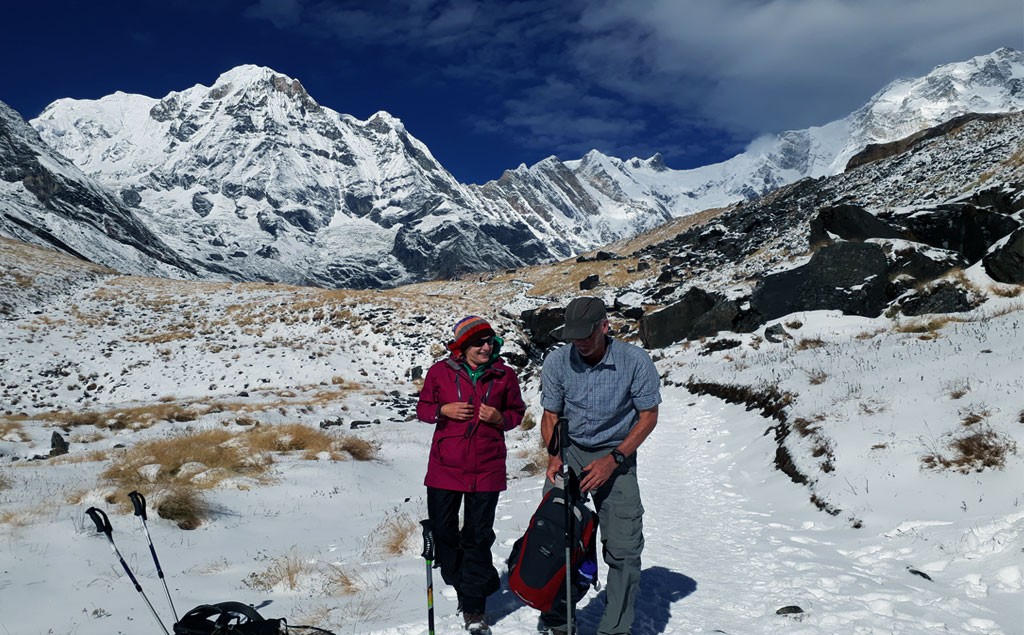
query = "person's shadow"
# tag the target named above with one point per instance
(659, 589)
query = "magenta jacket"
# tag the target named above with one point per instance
(469, 456)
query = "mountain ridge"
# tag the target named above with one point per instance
(252, 179)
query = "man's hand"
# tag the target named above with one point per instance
(554, 464)
(458, 410)
(491, 416)
(598, 473)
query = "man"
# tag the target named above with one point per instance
(609, 392)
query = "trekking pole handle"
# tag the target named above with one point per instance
(101, 520)
(428, 540)
(139, 503)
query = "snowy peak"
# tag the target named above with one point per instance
(256, 179)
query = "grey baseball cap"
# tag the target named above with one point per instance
(581, 316)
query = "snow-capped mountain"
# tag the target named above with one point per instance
(45, 200)
(258, 181)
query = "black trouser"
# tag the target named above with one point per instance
(464, 556)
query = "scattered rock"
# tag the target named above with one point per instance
(776, 333)
(58, 445)
(920, 573)
(789, 610)
(590, 282)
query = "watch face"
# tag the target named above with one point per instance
(619, 457)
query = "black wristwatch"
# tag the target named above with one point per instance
(619, 457)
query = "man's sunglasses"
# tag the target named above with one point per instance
(483, 341)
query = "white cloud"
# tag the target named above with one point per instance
(580, 74)
(762, 66)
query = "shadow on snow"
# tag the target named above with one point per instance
(660, 588)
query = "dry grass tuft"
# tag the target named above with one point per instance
(341, 582)
(287, 572)
(536, 458)
(392, 534)
(1007, 291)
(12, 430)
(529, 422)
(806, 427)
(178, 468)
(808, 343)
(817, 377)
(972, 417)
(183, 505)
(957, 389)
(5, 481)
(132, 418)
(359, 449)
(982, 448)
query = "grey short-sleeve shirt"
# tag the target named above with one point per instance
(602, 402)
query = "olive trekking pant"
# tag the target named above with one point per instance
(620, 524)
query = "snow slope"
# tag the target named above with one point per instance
(730, 539)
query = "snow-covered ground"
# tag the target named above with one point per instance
(730, 539)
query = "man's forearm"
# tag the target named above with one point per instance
(643, 428)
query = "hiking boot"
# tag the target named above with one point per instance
(476, 624)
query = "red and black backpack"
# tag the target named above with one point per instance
(536, 565)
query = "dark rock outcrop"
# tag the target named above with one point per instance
(848, 277)
(1006, 263)
(848, 222)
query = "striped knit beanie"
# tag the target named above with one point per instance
(468, 329)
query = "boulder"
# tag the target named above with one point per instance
(942, 298)
(848, 277)
(539, 324)
(849, 222)
(1006, 263)
(590, 282)
(697, 314)
(965, 229)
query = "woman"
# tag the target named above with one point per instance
(473, 398)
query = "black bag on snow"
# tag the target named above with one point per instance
(226, 618)
(536, 565)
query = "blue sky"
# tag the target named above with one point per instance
(490, 84)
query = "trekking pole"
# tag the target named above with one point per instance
(139, 502)
(103, 524)
(428, 555)
(567, 483)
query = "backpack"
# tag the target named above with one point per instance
(227, 618)
(536, 565)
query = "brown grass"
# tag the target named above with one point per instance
(341, 582)
(982, 448)
(5, 481)
(12, 430)
(529, 422)
(957, 389)
(179, 467)
(973, 417)
(287, 571)
(1006, 290)
(817, 377)
(928, 326)
(392, 534)
(806, 427)
(130, 418)
(184, 505)
(174, 471)
(808, 343)
(536, 458)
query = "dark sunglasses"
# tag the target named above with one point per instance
(483, 341)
